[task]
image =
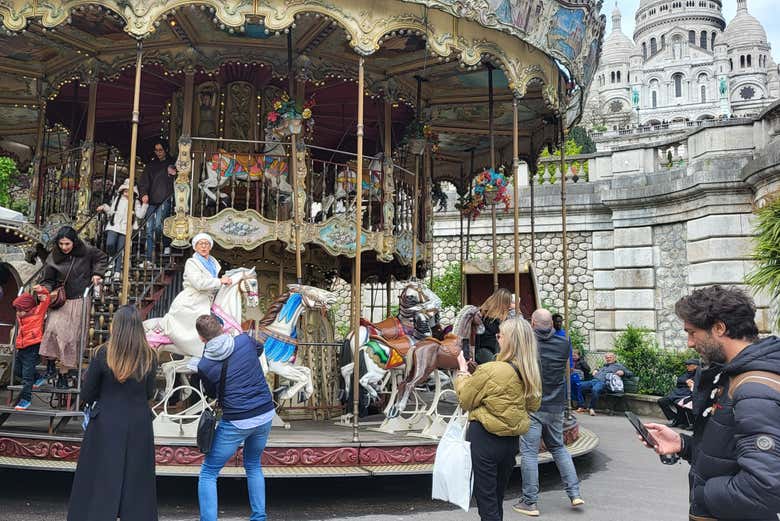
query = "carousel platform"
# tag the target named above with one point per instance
(307, 449)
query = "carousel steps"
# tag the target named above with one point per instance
(48, 389)
(61, 416)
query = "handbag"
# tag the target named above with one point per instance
(452, 476)
(58, 297)
(209, 418)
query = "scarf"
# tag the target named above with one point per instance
(208, 263)
(219, 348)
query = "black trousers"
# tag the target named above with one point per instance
(668, 407)
(492, 461)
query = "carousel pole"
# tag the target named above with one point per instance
(516, 194)
(565, 247)
(416, 204)
(358, 252)
(491, 129)
(462, 276)
(388, 151)
(123, 296)
(294, 167)
(36, 178)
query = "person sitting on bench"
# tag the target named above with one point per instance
(599, 382)
(673, 403)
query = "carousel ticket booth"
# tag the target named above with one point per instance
(308, 139)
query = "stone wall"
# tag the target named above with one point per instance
(671, 275)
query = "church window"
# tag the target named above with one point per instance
(712, 41)
(612, 77)
(628, 77)
(677, 85)
(703, 93)
(644, 50)
(618, 76)
(703, 40)
(663, 41)
(692, 37)
(748, 61)
(742, 61)
(615, 106)
(731, 64)
(653, 47)
(655, 99)
(747, 92)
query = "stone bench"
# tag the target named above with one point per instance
(639, 404)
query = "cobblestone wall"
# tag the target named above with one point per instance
(549, 267)
(671, 276)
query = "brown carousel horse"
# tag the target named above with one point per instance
(413, 339)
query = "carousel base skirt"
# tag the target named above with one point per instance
(307, 449)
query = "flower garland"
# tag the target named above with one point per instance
(489, 184)
(286, 110)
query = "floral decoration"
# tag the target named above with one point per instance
(488, 185)
(417, 130)
(286, 110)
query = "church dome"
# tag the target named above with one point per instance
(744, 29)
(617, 47)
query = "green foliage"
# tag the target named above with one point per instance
(448, 286)
(766, 274)
(8, 173)
(656, 368)
(579, 144)
(580, 136)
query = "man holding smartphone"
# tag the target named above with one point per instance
(735, 448)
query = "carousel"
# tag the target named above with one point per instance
(310, 140)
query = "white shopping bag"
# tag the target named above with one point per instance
(452, 477)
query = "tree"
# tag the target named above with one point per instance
(447, 286)
(580, 136)
(766, 275)
(8, 173)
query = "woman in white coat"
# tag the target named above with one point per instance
(201, 283)
(117, 225)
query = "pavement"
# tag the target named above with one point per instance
(620, 480)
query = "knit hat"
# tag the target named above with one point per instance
(692, 361)
(24, 302)
(202, 237)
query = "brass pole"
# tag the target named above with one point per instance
(416, 202)
(462, 277)
(36, 183)
(565, 247)
(124, 295)
(358, 251)
(491, 129)
(388, 150)
(297, 210)
(516, 194)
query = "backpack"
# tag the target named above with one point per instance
(614, 383)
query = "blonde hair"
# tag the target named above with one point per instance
(497, 305)
(128, 353)
(519, 347)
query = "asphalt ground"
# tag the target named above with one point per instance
(620, 481)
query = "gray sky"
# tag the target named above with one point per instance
(765, 10)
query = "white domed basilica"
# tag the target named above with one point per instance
(683, 64)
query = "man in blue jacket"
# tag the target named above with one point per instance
(735, 448)
(247, 413)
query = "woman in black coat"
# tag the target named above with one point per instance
(115, 477)
(493, 311)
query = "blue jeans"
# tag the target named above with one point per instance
(26, 360)
(595, 387)
(115, 245)
(226, 441)
(154, 224)
(547, 426)
(576, 389)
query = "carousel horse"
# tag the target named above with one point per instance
(227, 305)
(270, 166)
(278, 332)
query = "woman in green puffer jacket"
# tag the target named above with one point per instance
(499, 396)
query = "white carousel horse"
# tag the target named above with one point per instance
(227, 305)
(278, 330)
(271, 166)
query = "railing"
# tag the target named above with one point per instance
(260, 181)
(673, 125)
(549, 169)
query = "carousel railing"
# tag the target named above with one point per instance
(260, 181)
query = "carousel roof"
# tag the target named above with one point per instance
(542, 53)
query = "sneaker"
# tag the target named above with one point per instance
(591, 412)
(117, 276)
(577, 502)
(524, 508)
(167, 250)
(580, 410)
(39, 382)
(23, 405)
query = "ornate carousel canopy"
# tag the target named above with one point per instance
(542, 52)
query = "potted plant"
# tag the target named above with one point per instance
(288, 117)
(418, 135)
(490, 187)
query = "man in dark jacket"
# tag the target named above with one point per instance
(735, 448)
(670, 404)
(156, 189)
(247, 412)
(599, 382)
(547, 422)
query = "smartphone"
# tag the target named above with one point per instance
(641, 429)
(466, 348)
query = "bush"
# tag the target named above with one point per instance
(656, 368)
(447, 286)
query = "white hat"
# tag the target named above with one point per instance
(202, 237)
(126, 186)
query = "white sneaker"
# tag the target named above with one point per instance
(167, 250)
(117, 276)
(107, 274)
